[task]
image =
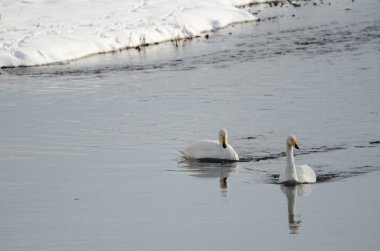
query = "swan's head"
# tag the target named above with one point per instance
(291, 141)
(223, 137)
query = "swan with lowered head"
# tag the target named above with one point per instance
(292, 173)
(212, 149)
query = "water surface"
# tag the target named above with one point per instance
(89, 150)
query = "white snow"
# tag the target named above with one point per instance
(37, 32)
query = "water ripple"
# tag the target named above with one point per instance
(271, 156)
(334, 175)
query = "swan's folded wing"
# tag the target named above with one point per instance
(306, 174)
(210, 149)
(231, 153)
(205, 149)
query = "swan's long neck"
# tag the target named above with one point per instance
(223, 142)
(291, 173)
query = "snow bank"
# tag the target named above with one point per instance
(37, 32)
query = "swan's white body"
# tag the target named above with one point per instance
(292, 173)
(211, 149)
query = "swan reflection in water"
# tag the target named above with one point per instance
(210, 170)
(291, 192)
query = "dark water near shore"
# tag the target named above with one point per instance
(89, 150)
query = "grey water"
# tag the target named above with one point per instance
(89, 150)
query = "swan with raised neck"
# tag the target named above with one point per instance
(293, 174)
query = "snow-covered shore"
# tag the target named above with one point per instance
(38, 32)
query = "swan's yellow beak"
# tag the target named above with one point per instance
(224, 143)
(294, 143)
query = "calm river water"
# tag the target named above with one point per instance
(89, 150)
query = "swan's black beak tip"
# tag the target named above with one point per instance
(296, 146)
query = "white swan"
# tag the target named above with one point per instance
(212, 149)
(293, 174)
